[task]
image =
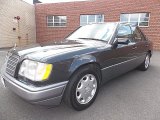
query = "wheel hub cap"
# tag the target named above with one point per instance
(147, 61)
(86, 89)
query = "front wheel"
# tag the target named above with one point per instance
(86, 89)
(82, 88)
(145, 65)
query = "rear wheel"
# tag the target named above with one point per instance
(145, 65)
(83, 88)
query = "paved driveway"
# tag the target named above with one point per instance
(133, 96)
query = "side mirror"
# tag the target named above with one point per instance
(115, 43)
(120, 41)
(124, 41)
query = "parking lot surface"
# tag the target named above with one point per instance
(133, 96)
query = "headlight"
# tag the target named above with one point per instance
(35, 71)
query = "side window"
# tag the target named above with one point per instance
(124, 33)
(137, 35)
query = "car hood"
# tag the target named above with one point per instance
(43, 51)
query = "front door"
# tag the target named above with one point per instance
(120, 59)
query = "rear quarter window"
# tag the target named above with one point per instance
(138, 35)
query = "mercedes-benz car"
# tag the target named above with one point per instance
(73, 70)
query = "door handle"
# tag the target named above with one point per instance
(135, 47)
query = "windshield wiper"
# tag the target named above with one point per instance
(91, 39)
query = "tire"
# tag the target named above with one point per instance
(145, 65)
(81, 92)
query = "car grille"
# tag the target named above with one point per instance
(12, 64)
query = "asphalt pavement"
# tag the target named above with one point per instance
(133, 96)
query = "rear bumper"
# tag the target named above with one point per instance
(47, 95)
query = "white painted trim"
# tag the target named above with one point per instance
(139, 16)
(56, 22)
(95, 19)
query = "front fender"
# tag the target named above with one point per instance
(77, 62)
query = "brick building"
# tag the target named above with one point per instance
(54, 21)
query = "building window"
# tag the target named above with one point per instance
(56, 21)
(138, 19)
(87, 19)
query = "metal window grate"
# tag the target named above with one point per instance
(12, 64)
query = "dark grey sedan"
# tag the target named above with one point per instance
(74, 69)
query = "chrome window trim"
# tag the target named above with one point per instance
(119, 63)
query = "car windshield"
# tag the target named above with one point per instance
(101, 32)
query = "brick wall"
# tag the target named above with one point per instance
(110, 8)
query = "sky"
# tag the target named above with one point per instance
(51, 1)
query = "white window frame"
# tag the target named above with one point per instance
(95, 15)
(139, 16)
(56, 22)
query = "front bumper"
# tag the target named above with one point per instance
(46, 95)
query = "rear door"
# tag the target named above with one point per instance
(141, 43)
